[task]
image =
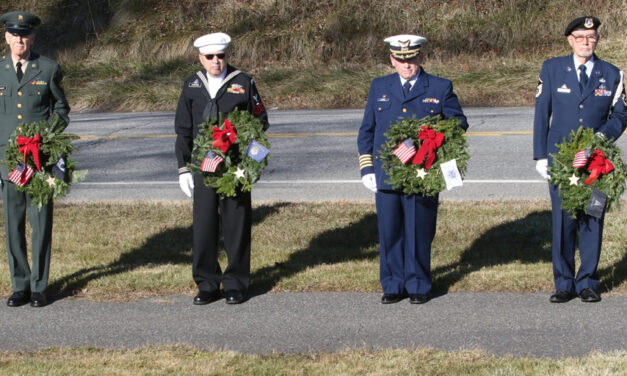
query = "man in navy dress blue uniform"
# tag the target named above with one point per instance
(573, 91)
(406, 223)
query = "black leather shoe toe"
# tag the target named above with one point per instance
(589, 296)
(562, 296)
(206, 297)
(38, 300)
(18, 298)
(418, 298)
(391, 298)
(234, 297)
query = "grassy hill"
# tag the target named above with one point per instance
(133, 55)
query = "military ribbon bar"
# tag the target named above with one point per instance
(598, 165)
(211, 161)
(405, 150)
(431, 140)
(29, 145)
(21, 174)
(223, 138)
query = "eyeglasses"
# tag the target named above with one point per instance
(589, 38)
(220, 56)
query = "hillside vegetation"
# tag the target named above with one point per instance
(133, 55)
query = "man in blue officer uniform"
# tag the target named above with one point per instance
(576, 90)
(406, 223)
(30, 90)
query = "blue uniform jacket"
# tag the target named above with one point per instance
(601, 106)
(429, 96)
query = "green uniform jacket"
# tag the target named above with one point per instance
(38, 96)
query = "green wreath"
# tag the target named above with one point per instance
(238, 171)
(47, 183)
(406, 176)
(573, 190)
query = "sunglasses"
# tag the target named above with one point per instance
(220, 56)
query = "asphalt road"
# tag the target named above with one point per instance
(130, 156)
(517, 324)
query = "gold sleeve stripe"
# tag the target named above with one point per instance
(365, 160)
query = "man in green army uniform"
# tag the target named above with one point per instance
(29, 91)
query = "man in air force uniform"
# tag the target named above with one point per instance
(573, 91)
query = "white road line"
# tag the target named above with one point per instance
(307, 182)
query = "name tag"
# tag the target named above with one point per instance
(563, 89)
(3, 87)
(195, 84)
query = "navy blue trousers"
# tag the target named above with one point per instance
(407, 226)
(565, 231)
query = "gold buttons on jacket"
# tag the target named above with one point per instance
(19, 105)
(19, 117)
(404, 110)
(19, 93)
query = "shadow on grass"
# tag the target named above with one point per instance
(172, 246)
(350, 243)
(526, 240)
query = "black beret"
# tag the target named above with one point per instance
(582, 23)
(22, 23)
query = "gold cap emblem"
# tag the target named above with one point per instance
(589, 23)
(404, 45)
(20, 17)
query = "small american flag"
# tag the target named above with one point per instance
(21, 174)
(211, 162)
(581, 158)
(405, 150)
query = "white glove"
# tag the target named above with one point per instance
(600, 135)
(542, 166)
(369, 182)
(186, 181)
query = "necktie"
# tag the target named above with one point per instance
(19, 72)
(583, 78)
(406, 88)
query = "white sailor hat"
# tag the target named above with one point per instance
(213, 42)
(405, 46)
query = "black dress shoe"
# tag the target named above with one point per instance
(391, 298)
(589, 296)
(562, 296)
(206, 297)
(38, 299)
(234, 297)
(418, 298)
(18, 298)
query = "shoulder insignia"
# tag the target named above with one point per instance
(539, 88)
(195, 83)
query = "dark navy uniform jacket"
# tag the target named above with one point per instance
(195, 106)
(601, 106)
(429, 96)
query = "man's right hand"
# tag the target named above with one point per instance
(542, 166)
(186, 181)
(369, 182)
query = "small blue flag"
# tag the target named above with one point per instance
(257, 151)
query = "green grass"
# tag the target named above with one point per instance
(136, 250)
(184, 360)
(134, 55)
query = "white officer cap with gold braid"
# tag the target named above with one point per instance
(405, 46)
(213, 42)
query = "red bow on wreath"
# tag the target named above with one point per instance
(30, 145)
(431, 140)
(223, 138)
(598, 165)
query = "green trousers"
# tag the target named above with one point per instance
(16, 205)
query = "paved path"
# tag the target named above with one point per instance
(500, 323)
